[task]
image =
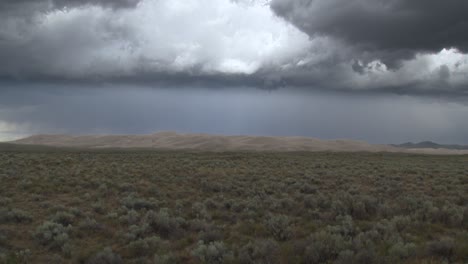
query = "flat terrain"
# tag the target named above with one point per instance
(129, 206)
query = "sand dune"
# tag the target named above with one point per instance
(206, 142)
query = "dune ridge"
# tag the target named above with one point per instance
(206, 142)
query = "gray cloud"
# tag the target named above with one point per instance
(128, 109)
(379, 71)
(157, 40)
(390, 30)
(33, 5)
(110, 3)
(238, 43)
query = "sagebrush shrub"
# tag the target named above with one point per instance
(90, 224)
(260, 252)
(211, 235)
(164, 224)
(63, 218)
(401, 223)
(53, 235)
(132, 202)
(198, 225)
(369, 207)
(307, 188)
(465, 217)
(212, 253)
(199, 211)
(279, 227)
(345, 228)
(366, 256)
(131, 217)
(323, 247)
(443, 247)
(144, 246)
(21, 256)
(164, 259)
(5, 201)
(345, 257)
(135, 232)
(106, 256)
(14, 216)
(400, 251)
(98, 207)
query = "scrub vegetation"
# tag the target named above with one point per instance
(137, 206)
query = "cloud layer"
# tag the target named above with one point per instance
(202, 37)
(389, 30)
(29, 5)
(243, 111)
(409, 47)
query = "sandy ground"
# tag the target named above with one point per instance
(206, 142)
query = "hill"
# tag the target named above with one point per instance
(430, 144)
(206, 142)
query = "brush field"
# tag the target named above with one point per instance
(141, 206)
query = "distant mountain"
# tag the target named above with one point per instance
(430, 145)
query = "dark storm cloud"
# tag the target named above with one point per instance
(238, 43)
(390, 30)
(96, 45)
(134, 110)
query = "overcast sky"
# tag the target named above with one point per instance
(385, 71)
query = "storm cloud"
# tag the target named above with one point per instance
(389, 30)
(156, 38)
(9, 5)
(408, 47)
(235, 66)
(127, 109)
